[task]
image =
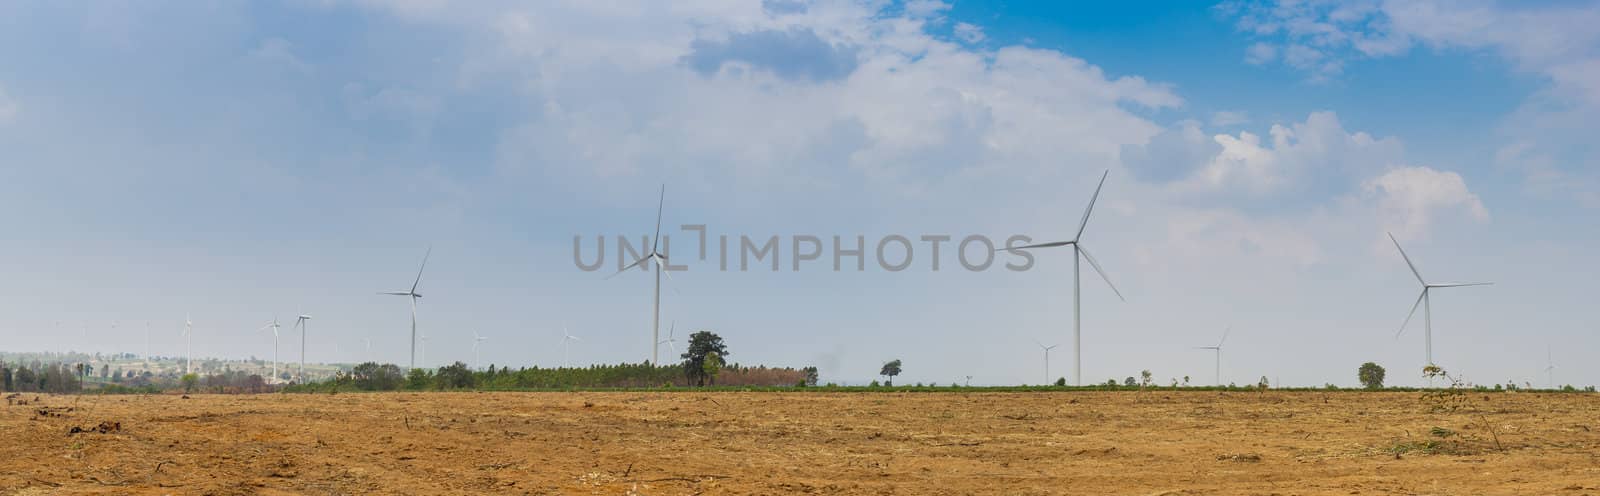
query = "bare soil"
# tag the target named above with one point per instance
(1138, 443)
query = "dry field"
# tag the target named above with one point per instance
(788, 443)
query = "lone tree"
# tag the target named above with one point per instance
(890, 369)
(701, 345)
(1371, 375)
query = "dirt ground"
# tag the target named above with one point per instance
(1140, 443)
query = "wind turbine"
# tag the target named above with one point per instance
(671, 331)
(302, 322)
(1046, 359)
(367, 342)
(654, 255)
(1218, 349)
(414, 296)
(566, 342)
(188, 346)
(1078, 251)
(1550, 367)
(1425, 301)
(274, 326)
(147, 345)
(475, 340)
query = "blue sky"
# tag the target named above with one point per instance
(240, 160)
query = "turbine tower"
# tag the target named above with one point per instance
(476, 339)
(566, 348)
(274, 326)
(1218, 349)
(188, 346)
(659, 260)
(1425, 301)
(414, 295)
(1046, 359)
(302, 322)
(1078, 251)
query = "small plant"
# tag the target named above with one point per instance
(1454, 398)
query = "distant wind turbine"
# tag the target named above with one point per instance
(304, 323)
(671, 331)
(566, 342)
(274, 326)
(1550, 366)
(414, 295)
(1426, 301)
(476, 339)
(367, 343)
(422, 345)
(188, 346)
(659, 260)
(1046, 350)
(1078, 251)
(1218, 349)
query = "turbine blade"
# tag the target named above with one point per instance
(396, 293)
(656, 241)
(1408, 259)
(1040, 245)
(632, 265)
(1085, 222)
(1224, 336)
(1460, 284)
(1413, 312)
(419, 270)
(1102, 272)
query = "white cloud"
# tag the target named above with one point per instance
(1410, 197)
(1557, 42)
(1228, 118)
(1317, 154)
(8, 108)
(1261, 53)
(280, 52)
(970, 33)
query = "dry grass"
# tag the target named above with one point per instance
(1152, 442)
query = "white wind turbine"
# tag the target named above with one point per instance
(566, 342)
(414, 295)
(1550, 366)
(654, 255)
(1078, 251)
(1218, 349)
(147, 345)
(274, 326)
(671, 331)
(188, 346)
(1046, 350)
(302, 322)
(367, 343)
(476, 339)
(1426, 301)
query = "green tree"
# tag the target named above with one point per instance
(189, 382)
(1145, 378)
(811, 376)
(1130, 381)
(1371, 375)
(711, 366)
(371, 376)
(701, 345)
(1061, 381)
(418, 379)
(454, 376)
(890, 369)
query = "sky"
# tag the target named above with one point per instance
(236, 161)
